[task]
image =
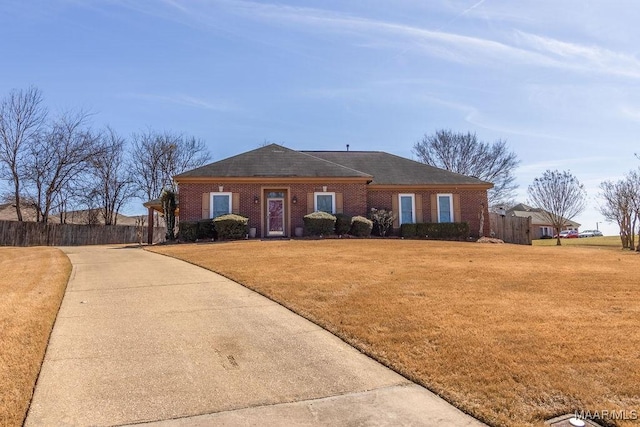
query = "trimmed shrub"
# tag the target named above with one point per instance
(409, 230)
(449, 230)
(422, 229)
(188, 231)
(361, 226)
(231, 227)
(433, 230)
(343, 224)
(206, 229)
(319, 224)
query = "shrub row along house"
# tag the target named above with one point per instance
(275, 187)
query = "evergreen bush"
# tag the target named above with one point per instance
(343, 224)
(433, 230)
(409, 230)
(319, 224)
(361, 226)
(188, 231)
(206, 230)
(231, 227)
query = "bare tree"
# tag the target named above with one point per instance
(159, 156)
(622, 205)
(22, 116)
(112, 183)
(58, 159)
(560, 195)
(465, 154)
(633, 178)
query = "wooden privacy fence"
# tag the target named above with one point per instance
(16, 233)
(511, 229)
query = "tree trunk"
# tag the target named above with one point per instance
(18, 208)
(16, 186)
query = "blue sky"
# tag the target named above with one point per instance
(558, 80)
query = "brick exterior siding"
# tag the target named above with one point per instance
(354, 198)
(358, 199)
(470, 202)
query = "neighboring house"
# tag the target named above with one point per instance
(275, 187)
(540, 224)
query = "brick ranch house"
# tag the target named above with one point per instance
(275, 187)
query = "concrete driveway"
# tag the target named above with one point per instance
(145, 338)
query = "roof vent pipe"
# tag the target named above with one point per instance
(347, 147)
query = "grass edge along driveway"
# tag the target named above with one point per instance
(32, 284)
(512, 335)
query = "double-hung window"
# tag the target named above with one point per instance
(407, 205)
(325, 202)
(445, 208)
(220, 204)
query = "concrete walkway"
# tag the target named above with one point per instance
(145, 338)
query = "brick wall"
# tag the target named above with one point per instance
(190, 199)
(358, 199)
(470, 201)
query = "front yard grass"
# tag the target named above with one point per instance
(600, 241)
(512, 335)
(32, 284)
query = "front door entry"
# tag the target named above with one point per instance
(275, 216)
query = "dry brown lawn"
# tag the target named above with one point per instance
(511, 334)
(32, 284)
(601, 241)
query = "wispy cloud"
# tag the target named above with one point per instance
(561, 163)
(515, 48)
(521, 48)
(185, 100)
(588, 58)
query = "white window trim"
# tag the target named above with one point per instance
(324, 193)
(453, 219)
(219, 193)
(413, 207)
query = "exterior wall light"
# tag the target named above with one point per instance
(256, 200)
(294, 200)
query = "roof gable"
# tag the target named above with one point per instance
(274, 161)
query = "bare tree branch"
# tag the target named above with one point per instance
(61, 155)
(112, 182)
(622, 205)
(22, 116)
(465, 154)
(158, 156)
(560, 195)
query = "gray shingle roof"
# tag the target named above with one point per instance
(376, 166)
(389, 169)
(537, 215)
(274, 161)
